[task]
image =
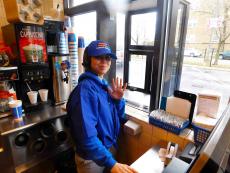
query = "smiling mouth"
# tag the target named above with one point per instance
(103, 66)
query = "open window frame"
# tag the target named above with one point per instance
(147, 50)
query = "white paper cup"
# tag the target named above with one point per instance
(33, 96)
(43, 94)
(16, 108)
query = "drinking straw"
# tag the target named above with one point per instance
(28, 86)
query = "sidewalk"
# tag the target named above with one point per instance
(223, 65)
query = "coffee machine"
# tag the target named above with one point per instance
(8, 77)
(28, 43)
(59, 61)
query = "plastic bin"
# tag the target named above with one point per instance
(167, 126)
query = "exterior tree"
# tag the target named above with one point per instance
(223, 32)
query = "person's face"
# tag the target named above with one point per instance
(100, 64)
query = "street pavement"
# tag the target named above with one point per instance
(196, 80)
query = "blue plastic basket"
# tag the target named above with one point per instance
(200, 134)
(168, 127)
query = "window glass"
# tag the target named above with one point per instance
(178, 26)
(137, 99)
(120, 45)
(190, 38)
(192, 23)
(207, 57)
(137, 67)
(85, 29)
(214, 37)
(143, 28)
(78, 2)
(175, 63)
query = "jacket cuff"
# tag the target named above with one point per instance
(110, 163)
(120, 101)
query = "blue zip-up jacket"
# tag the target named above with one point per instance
(94, 119)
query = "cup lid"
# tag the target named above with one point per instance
(15, 103)
(43, 90)
(32, 92)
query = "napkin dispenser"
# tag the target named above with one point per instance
(132, 128)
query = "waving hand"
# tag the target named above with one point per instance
(117, 90)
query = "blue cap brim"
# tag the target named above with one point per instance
(113, 56)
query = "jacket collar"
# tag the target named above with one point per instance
(90, 75)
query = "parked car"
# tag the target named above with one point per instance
(192, 52)
(225, 54)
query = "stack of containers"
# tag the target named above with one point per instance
(73, 53)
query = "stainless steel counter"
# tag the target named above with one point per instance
(9, 125)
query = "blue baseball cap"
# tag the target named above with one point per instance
(98, 48)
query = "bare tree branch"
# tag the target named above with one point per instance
(226, 37)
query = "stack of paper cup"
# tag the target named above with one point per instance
(81, 48)
(73, 51)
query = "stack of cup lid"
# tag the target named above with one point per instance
(73, 51)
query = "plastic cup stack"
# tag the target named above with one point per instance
(73, 51)
(62, 47)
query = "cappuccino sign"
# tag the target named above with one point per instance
(28, 34)
(31, 39)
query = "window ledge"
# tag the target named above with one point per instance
(136, 113)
